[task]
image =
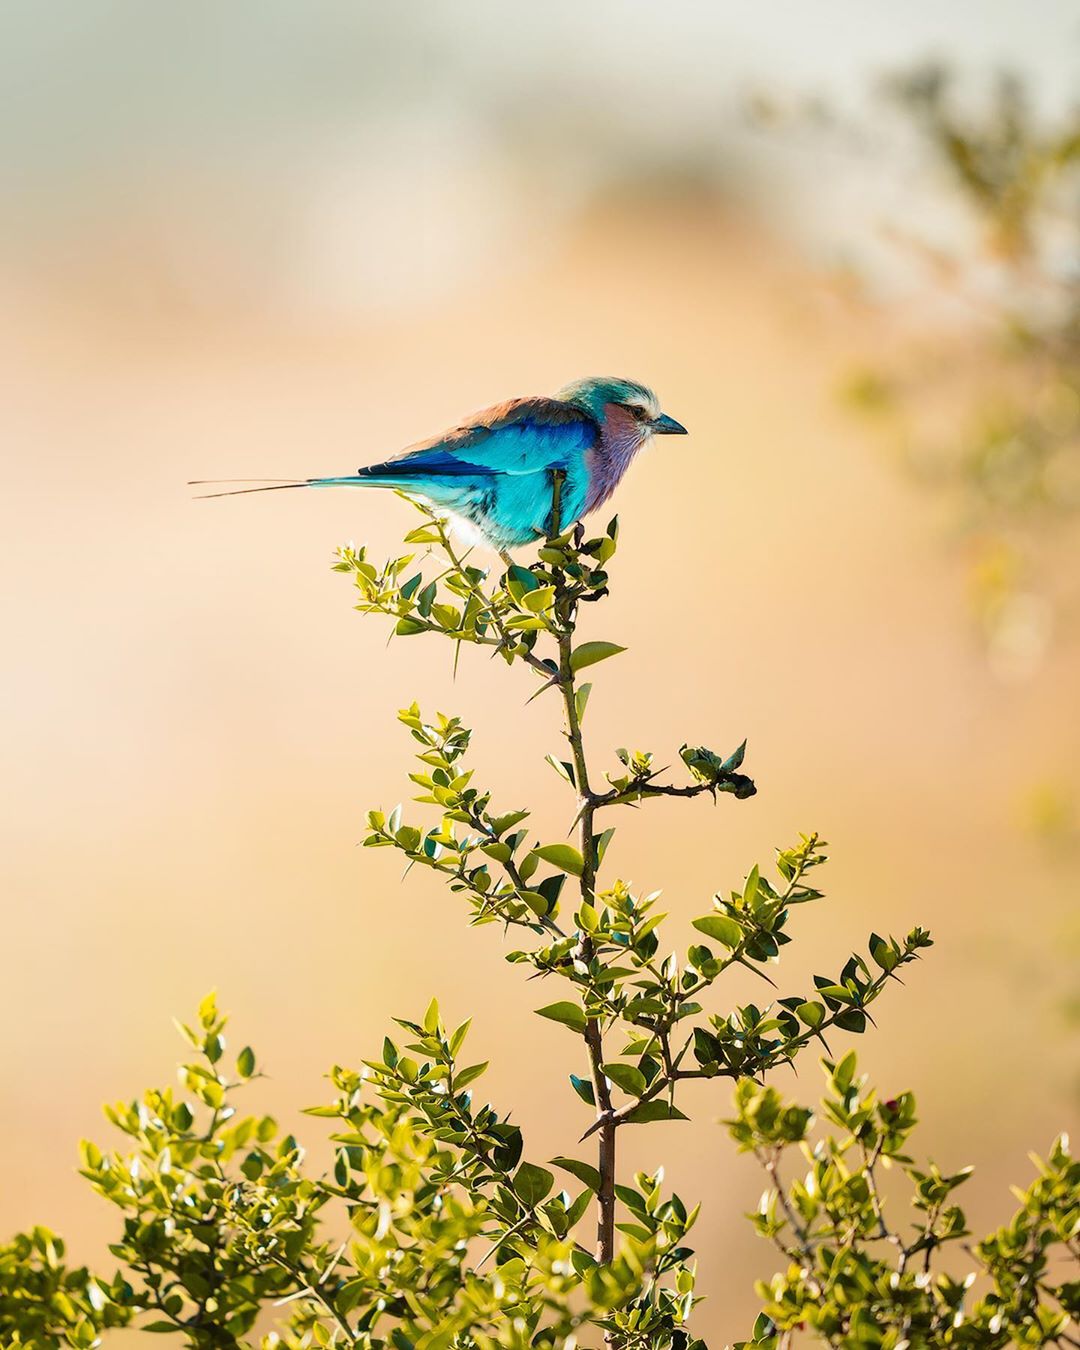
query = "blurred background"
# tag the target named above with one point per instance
(841, 242)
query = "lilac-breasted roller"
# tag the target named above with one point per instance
(498, 470)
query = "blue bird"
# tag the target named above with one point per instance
(497, 471)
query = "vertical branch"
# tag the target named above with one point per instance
(566, 612)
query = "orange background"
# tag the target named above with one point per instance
(197, 722)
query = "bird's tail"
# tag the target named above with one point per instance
(274, 484)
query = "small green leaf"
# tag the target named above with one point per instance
(589, 653)
(583, 1088)
(245, 1062)
(500, 824)
(563, 856)
(569, 1014)
(423, 534)
(520, 581)
(469, 1075)
(626, 1076)
(533, 1183)
(600, 845)
(563, 768)
(720, 927)
(654, 1110)
(208, 1010)
(837, 992)
(581, 700)
(539, 600)
(458, 1038)
(582, 1170)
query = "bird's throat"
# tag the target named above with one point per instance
(621, 437)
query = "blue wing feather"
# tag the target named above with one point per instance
(495, 471)
(526, 436)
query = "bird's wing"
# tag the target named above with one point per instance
(527, 435)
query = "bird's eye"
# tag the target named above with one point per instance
(638, 412)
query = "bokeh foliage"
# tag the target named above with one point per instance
(989, 412)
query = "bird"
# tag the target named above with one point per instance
(521, 470)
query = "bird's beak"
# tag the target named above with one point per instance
(667, 426)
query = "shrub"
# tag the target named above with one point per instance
(433, 1227)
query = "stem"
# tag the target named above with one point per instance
(630, 795)
(309, 1289)
(594, 1041)
(802, 1238)
(505, 639)
(565, 609)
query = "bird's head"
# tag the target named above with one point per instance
(600, 395)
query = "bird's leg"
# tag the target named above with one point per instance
(506, 558)
(558, 477)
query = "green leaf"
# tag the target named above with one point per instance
(720, 927)
(626, 1076)
(589, 653)
(563, 768)
(600, 845)
(469, 1075)
(536, 901)
(583, 1088)
(581, 700)
(647, 1112)
(245, 1062)
(539, 600)
(582, 1170)
(813, 1014)
(458, 1038)
(520, 581)
(563, 856)
(533, 1183)
(576, 1212)
(569, 1014)
(423, 534)
(500, 824)
(844, 1072)
(837, 992)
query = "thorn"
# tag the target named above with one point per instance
(543, 689)
(743, 962)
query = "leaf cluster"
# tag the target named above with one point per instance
(857, 1277)
(44, 1302)
(430, 1229)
